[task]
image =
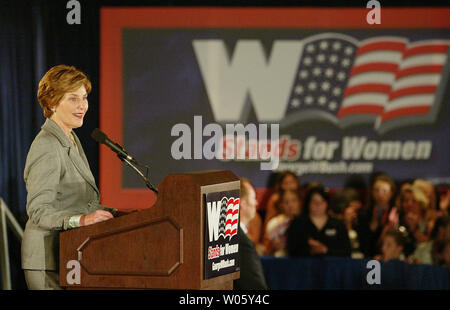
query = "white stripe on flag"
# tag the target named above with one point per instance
(423, 60)
(409, 101)
(379, 56)
(372, 77)
(366, 98)
(417, 80)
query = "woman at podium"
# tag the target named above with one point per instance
(61, 190)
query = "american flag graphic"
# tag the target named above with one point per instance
(385, 81)
(229, 217)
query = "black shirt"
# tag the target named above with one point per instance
(334, 235)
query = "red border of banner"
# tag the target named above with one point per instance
(113, 19)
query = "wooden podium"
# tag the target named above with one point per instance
(162, 247)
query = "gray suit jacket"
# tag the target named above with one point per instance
(60, 185)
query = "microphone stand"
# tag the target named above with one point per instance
(146, 180)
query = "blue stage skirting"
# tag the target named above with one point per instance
(345, 273)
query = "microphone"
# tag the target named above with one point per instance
(101, 137)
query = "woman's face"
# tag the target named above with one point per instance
(381, 192)
(350, 213)
(407, 201)
(318, 205)
(71, 109)
(290, 204)
(289, 182)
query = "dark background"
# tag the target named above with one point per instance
(34, 36)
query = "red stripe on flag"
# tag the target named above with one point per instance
(230, 232)
(233, 201)
(367, 88)
(360, 109)
(231, 222)
(413, 90)
(380, 46)
(232, 212)
(408, 111)
(425, 49)
(374, 66)
(418, 70)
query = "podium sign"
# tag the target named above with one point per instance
(221, 233)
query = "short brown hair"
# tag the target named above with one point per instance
(56, 82)
(398, 237)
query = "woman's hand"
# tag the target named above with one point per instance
(393, 219)
(95, 217)
(317, 247)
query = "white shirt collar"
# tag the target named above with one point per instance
(244, 228)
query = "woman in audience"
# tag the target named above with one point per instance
(287, 180)
(414, 214)
(345, 205)
(274, 239)
(427, 252)
(409, 217)
(439, 235)
(315, 233)
(373, 217)
(432, 211)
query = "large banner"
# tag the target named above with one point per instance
(316, 91)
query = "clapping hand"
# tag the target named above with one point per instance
(317, 247)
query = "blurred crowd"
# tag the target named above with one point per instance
(407, 221)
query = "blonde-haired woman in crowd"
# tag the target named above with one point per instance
(409, 217)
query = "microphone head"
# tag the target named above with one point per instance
(98, 135)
